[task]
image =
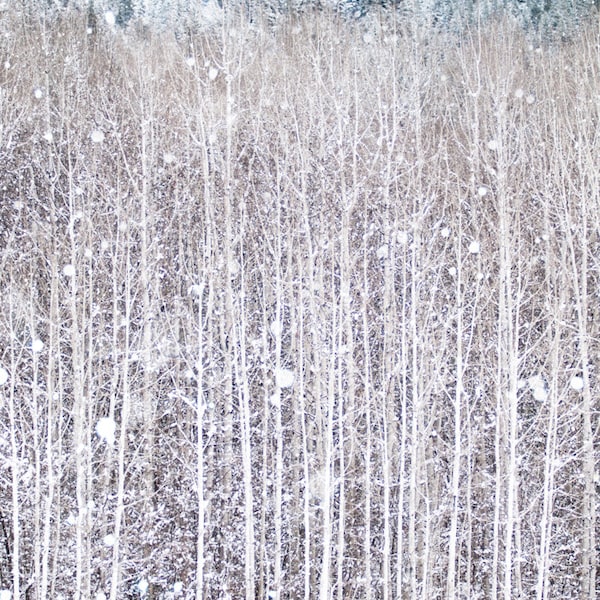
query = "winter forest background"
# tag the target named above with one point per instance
(299, 300)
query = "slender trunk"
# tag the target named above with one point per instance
(15, 470)
(80, 424)
(416, 429)
(498, 489)
(403, 450)
(306, 475)
(246, 439)
(457, 400)
(579, 270)
(201, 401)
(328, 474)
(390, 351)
(124, 433)
(277, 583)
(367, 410)
(37, 462)
(145, 283)
(51, 427)
(200, 409)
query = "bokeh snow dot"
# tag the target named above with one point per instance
(382, 252)
(402, 237)
(538, 387)
(474, 247)
(105, 428)
(68, 270)
(3, 375)
(97, 136)
(577, 383)
(37, 345)
(276, 328)
(284, 378)
(142, 586)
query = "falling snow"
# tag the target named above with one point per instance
(37, 345)
(284, 378)
(68, 270)
(105, 428)
(97, 136)
(576, 383)
(322, 285)
(142, 586)
(474, 247)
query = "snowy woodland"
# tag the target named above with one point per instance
(298, 311)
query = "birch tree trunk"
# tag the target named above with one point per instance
(15, 461)
(122, 450)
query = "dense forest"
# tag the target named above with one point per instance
(305, 308)
(548, 16)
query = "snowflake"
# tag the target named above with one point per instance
(142, 586)
(97, 136)
(37, 346)
(576, 383)
(284, 378)
(105, 428)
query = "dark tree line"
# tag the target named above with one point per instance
(547, 16)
